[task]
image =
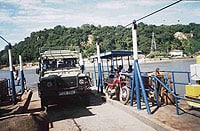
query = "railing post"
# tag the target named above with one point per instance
(108, 67)
(95, 76)
(137, 88)
(21, 74)
(132, 88)
(102, 65)
(188, 74)
(156, 91)
(176, 102)
(173, 81)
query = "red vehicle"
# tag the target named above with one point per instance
(119, 86)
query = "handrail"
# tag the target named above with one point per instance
(166, 86)
(173, 78)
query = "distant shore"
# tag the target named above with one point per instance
(30, 66)
(158, 60)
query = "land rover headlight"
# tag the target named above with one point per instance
(49, 84)
(81, 81)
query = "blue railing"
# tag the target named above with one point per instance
(174, 82)
(166, 85)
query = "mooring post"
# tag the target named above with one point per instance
(21, 74)
(12, 82)
(137, 74)
(100, 84)
(135, 56)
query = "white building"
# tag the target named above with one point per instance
(176, 53)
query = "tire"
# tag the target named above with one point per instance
(108, 94)
(124, 95)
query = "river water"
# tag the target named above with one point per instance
(175, 65)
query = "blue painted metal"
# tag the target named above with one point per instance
(176, 97)
(132, 88)
(137, 82)
(102, 69)
(107, 67)
(22, 81)
(137, 88)
(188, 74)
(187, 99)
(176, 103)
(173, 81)
(100, 84)
(12, 84)
(95, 77)
(143, 88)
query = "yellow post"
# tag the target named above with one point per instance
(198, 59)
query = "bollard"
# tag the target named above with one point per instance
(21, 74)
(12, 82)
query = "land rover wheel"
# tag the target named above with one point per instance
(124, 95)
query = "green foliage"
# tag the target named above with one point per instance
(109, 38)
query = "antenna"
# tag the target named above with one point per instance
(153, 43)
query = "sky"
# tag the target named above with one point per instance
(18, 18)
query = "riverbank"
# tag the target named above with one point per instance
(26, 67)
(142, 61)
(30, 66)
(159, 60)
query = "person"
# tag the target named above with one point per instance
(16, 75)
(157, 71)
(112, 71)
(112, 68)
(130, 69)
(121, 69)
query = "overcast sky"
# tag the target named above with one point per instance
(18, 18)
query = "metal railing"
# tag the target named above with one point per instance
(166, 85)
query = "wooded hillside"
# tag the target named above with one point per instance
(110, 38)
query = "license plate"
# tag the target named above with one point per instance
(67, 93)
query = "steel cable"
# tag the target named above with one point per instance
(154, 12)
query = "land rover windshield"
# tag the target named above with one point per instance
(53, 64)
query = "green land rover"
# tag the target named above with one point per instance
(61, 78)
